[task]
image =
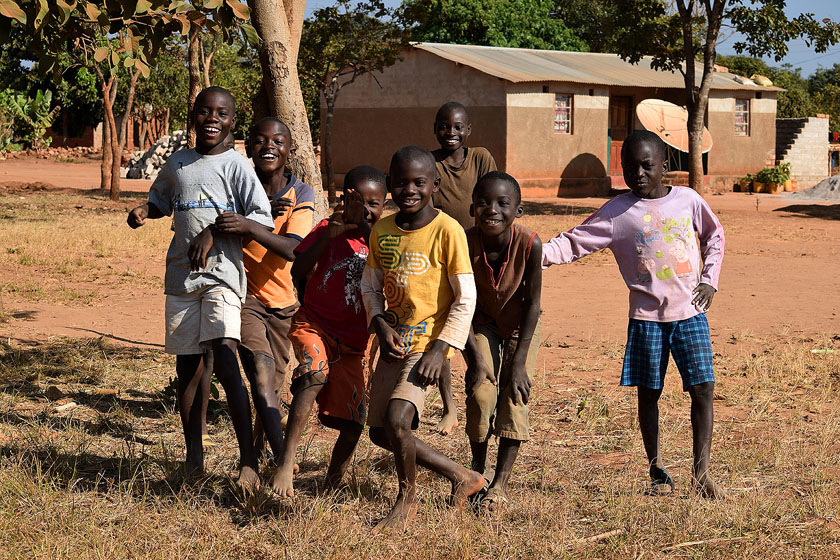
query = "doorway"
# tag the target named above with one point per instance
(621, 123)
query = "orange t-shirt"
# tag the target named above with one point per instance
(270, 275)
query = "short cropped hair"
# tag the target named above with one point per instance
(413, 153)
(217, 89)
(646, 136)
(271, 119)
(451, 106)
(498, 176)
(362, 173)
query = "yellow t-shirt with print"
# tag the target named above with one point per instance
(416, 266)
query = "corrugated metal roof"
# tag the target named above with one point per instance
(533, 65)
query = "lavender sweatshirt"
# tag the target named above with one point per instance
(654, 244)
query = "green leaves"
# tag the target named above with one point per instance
(250, 34)
(10, 9)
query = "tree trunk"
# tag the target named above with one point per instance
(207, 60)
(109, 91)
(195, 81)
(132, 86)
(113, 145)
(279, 24)
(326, 152)
(165, 122)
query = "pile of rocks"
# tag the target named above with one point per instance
(146, 165)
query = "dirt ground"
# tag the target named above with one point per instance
(779, 274)
(90, 449)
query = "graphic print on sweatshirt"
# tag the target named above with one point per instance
(663, 245)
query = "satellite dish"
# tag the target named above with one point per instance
(669, 122)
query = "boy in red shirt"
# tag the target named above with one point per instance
(329, 333)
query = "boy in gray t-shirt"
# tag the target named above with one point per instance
(205, 279)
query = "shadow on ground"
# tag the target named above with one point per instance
(822, 211)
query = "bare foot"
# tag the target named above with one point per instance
(706, 487)
(463, 489)
(493, 499)
(248, 480)
(447, 423)
(403, 512)
(281, 482)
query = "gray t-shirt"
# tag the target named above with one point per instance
(195, 189)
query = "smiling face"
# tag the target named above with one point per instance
(452, 128)
(373, 197)
(269, 146)
(412, 182)
(495, 206)
(213, 118)
(643, 164)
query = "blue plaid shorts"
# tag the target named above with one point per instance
(649, 343)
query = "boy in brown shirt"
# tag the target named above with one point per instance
(506, 260)
(459, 168)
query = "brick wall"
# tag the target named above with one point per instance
(806, 149)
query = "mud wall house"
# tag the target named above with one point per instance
(555, 120)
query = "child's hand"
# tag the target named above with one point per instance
(279, 206)
(520, 385)
(431, 364)
(137, 217)
(703, 295)
(233, 223)
(199, 247)
(390, 345)
(477, 373)
(353, 207)
(337, 224)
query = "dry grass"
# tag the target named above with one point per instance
(101, 480)
(70, 247)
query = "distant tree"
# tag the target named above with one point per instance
(339, 44)
(680, 34)
(107, 37)
(498, 23)
(795, 101)
(586, 18)
(827, 100)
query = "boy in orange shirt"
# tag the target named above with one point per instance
(270, 302)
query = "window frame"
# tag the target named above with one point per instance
(557, 110)
(745, 132)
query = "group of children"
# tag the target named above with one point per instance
(450, 270)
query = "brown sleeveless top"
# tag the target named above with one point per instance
(501, 299)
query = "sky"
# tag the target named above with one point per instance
(799, 55)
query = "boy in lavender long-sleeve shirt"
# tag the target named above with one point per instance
(651, 232)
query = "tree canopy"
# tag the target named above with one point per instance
(498, 23)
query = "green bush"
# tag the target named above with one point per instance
(774, 175)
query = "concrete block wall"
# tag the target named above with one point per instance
(807, 150)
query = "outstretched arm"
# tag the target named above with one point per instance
(592, 235)
(237, 224)
(138, 216)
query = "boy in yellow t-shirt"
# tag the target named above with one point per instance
(419, 295)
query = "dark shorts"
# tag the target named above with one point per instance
(650, 343)
(265, 330)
